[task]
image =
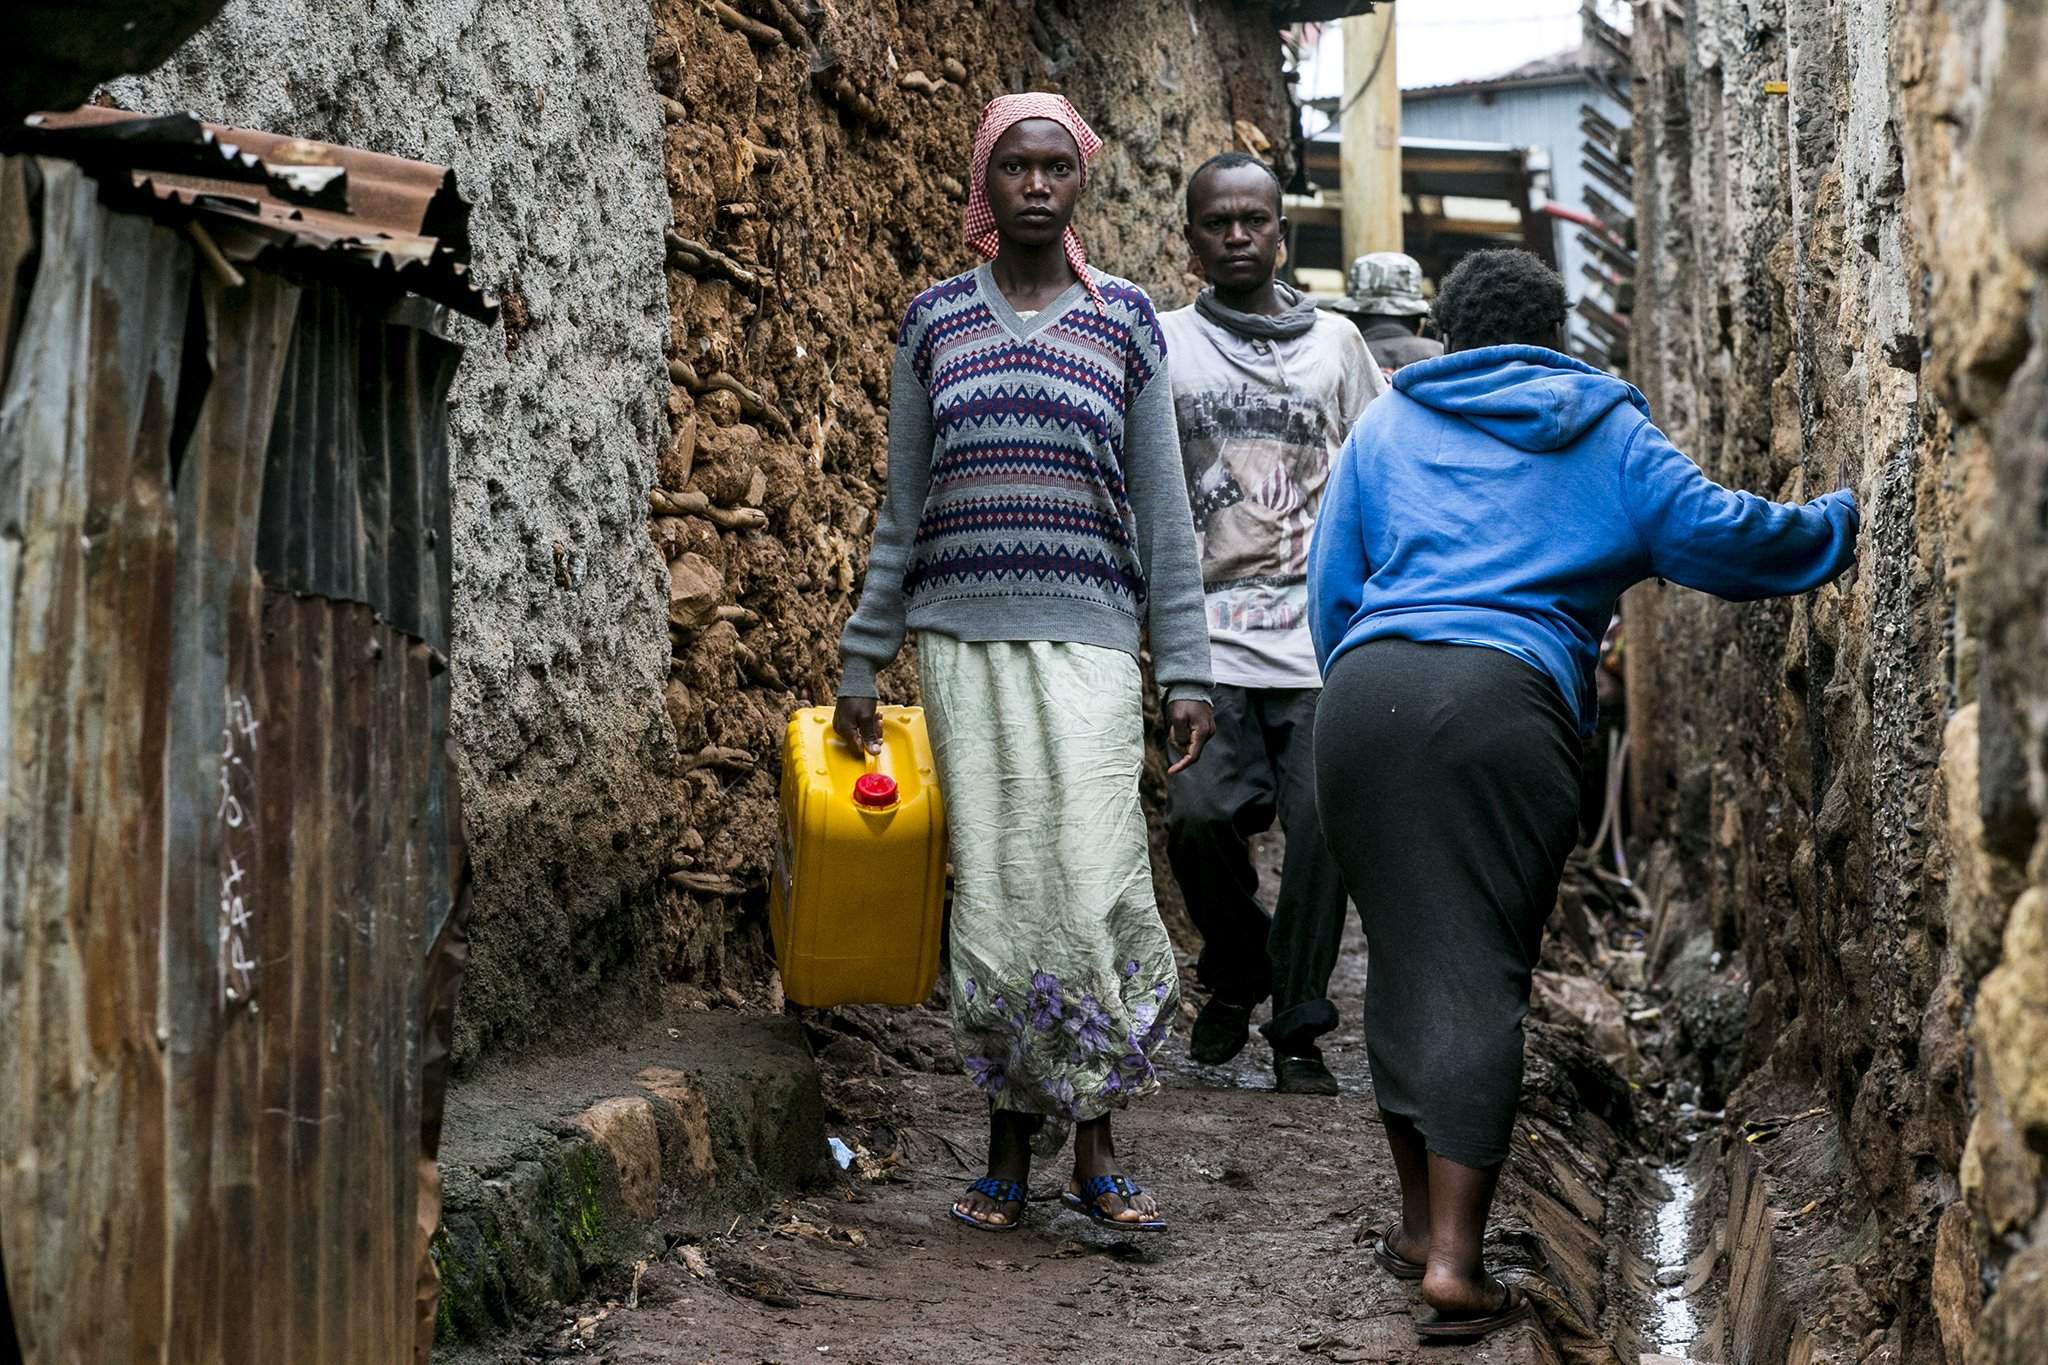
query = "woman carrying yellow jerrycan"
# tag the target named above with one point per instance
(1036, 515)
(858, 898)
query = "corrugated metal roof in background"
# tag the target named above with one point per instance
(317, 206)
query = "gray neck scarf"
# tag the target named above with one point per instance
(1300, 315)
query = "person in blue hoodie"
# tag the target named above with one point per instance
(1479, 527)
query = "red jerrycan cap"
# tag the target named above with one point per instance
(874, 791)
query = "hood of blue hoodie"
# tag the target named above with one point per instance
(1532, 398)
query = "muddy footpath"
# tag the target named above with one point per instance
(1273, 1201)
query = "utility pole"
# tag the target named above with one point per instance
(1371, 148)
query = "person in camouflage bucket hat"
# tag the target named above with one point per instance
(1386, 283)
(1383, 295)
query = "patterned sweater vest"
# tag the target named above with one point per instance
(1035, 488)
(1027, 495)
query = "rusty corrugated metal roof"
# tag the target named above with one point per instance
(324, 208)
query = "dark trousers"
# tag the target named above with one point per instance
(1259, 764)
(1449, 775)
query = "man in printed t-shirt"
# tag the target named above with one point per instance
(1265, 390)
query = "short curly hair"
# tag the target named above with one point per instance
(1500, 298)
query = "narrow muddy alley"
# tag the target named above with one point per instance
(1267, 1196)
(1273, 1201)
(452, 454)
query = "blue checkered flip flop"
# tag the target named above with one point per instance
(1003, 1192)
(1089, 1201)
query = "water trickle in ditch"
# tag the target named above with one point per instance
(1673, 1323)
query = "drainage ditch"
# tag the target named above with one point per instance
(1626, 978)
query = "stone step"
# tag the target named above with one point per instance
(561, 1172)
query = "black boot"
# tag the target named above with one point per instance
(1220, 1033)
(1302, 1073)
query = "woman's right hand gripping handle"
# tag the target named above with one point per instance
(858, 721)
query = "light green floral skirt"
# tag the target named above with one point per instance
(1063, 979)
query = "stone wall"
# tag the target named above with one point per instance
(704, 229)
(1842, 237)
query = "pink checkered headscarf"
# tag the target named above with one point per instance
(1003, 113)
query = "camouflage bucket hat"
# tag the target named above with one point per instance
(1385, 283)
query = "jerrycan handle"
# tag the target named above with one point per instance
(874, 790)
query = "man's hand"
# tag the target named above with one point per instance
(1189, 725)
(858, 721)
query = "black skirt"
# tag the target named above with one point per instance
(1448, 780)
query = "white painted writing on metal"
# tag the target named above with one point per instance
(237, 910)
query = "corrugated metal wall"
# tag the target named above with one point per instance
(224, 850)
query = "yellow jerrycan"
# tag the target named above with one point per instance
(860, 872)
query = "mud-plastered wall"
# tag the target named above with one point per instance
(705, 220)
(1842, 243)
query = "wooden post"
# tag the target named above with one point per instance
(1371, 153)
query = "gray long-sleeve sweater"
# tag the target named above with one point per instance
(1035, 485)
